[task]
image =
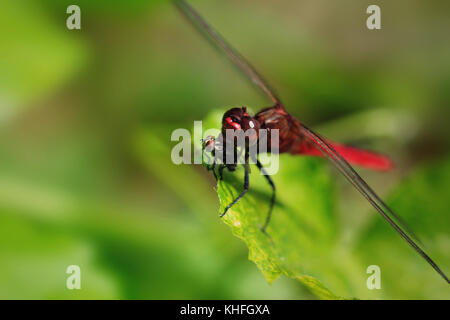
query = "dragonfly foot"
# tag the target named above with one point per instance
(226, 209)
(267, 235)
(221, 167)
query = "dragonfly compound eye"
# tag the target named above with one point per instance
(232, 121)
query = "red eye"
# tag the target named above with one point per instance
(235, 125)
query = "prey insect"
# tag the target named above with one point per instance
(295, 138)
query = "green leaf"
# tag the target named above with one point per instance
(302, 230)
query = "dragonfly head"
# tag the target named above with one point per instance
(208, 143)
(238, 119)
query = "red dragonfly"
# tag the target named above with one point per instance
(295, 138)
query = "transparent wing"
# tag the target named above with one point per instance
(218, 41)
(353, 177)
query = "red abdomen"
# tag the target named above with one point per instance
(292, 141)
(359, 157)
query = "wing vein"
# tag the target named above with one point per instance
(353, 177)
(216, 39)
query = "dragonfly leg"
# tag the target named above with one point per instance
(212, 168)
(214, 171)
(272, 201)
(221, 167)
(246, 185)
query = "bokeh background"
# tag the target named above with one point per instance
(86, 117)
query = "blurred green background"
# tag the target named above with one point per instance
(85, 123)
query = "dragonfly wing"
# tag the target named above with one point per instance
(353, 177)
(218, 41)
